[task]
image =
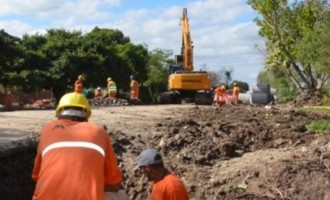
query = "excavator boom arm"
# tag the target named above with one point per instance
(187, 48)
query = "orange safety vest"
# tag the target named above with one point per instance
(74, 160)
(219, 94)
(78, 86)
(98, 93)
(219, 91)
(134, 89)
(235, 94)
(112, 89)
(235, 91)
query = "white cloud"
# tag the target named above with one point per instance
(222, 31)
(15, 27)
(26, 7)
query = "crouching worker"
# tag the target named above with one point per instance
(75, 158)
(98, 92)
(219, 96)
(165, 185)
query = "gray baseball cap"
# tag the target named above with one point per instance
(149, 157)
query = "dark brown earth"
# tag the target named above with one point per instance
(232, 152)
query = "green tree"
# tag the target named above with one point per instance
(157, 80)
(323, 60)
(291, 32)
(135, 62)
(54, 60)
(64, 63)
(32, 73)
(104, 45)
(9, 57)
(284, 92)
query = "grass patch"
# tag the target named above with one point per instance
(321, 127)
(315, 109)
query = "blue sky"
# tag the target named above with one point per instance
(223, 32)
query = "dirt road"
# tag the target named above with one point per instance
(243, 152)
(15, 125)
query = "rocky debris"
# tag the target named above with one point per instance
(196, 146)
(231, 152)
(41, 104)
(108, 101)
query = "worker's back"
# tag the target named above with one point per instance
(73, 156)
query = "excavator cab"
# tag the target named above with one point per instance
(174, 68)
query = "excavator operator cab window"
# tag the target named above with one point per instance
(175, 69)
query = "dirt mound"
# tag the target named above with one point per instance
(308, 100)
(232, 152)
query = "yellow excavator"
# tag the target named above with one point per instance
(184, 83)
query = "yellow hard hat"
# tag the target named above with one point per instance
(109, 79)
(81, 77)
(74, 99)
(223, 87)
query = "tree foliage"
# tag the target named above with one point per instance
(159, 59)
(292, 32)
(9, 56)
(55, 59)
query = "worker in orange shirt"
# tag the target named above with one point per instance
(78, 85)
(165, 184)
(112, 88)
(235, 93)
(135, 87)
(75, 158)
(98, 92)
(219, 95)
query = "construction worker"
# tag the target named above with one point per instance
(219, 95)
(165, 185)
(78, 85)
(98, 92)
(235, 93)
(112, 88)
(135, 87)
(75, 158)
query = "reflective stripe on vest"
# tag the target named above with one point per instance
(87, 145)
(112, 87)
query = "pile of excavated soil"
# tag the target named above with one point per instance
(231, 152)
(307, 100)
